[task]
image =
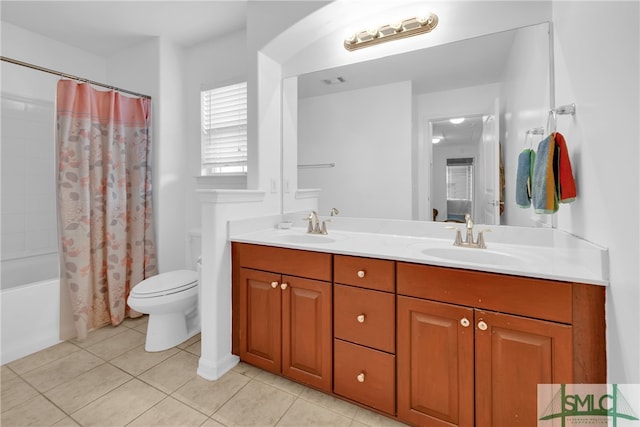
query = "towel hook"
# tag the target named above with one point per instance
(551, 121)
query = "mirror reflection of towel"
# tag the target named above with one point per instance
(524, 177)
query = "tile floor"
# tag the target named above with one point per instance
(109, 380)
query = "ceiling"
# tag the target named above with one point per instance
(106, 27)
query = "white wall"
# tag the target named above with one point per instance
(603, 142)
(207, 65)
(525, 105)
(367, 134)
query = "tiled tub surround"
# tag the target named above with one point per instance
(109, 380)
(543, 253)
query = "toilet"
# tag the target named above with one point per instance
(171, 301)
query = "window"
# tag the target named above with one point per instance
(224, 130)
(460, 179)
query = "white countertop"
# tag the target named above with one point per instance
(543, 253)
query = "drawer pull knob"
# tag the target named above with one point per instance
(274, 284)
(465, 322)
(482, 325)
(360, 377)
(361, 273)
(283, 286)
(360, 318)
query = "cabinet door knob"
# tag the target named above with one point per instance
(360, 318)
(465, 322)
(274, 284)
(361, 273)
(283, 286)
(360, 377)
(482, 325)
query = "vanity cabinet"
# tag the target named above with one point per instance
(364, 335)
(427, 345)
(284, 322)
(473, 346)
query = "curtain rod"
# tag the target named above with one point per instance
(69, 76)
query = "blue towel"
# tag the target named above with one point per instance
(523, 178)
(544, 196)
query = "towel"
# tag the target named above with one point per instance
(524, 176)
(544, 195)
(565, 184)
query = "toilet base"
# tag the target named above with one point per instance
(169, 330)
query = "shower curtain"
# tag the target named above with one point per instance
(104, 200)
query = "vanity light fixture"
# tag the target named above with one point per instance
(457, 121)
(435, 139)
(406, 28)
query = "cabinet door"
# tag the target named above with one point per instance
(307, 331)
(260, 322)
(435, 363)
(513, 355)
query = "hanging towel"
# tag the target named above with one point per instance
(524, 177)
(565, 184)
(544, 196)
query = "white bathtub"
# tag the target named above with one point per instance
(30, 311)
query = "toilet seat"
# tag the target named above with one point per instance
(168, 283)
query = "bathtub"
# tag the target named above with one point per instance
(30, 305)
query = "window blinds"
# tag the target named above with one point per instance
(460, 179)
(224, 130)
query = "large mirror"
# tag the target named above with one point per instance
(366, 131)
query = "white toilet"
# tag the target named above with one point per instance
(171, 300)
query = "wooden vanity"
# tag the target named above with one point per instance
(426, 345)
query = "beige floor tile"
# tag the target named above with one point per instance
(334, 404)
(87, 387)
(174, 372)
(120, 406)
(246, 369)
(194, 339)
(7, 374)
(257, 404)
(355, 423)
(37, 411)
(66, 422)
(99, 335)
(373, 419)
(169, 413)
(118, 344)
(62, 370)
(138, 360)
(305, 413)
(208, 396)
(280, 382)
(134, 323)
(212, 423)
(142, 328)
(41, 358)
(15, 392)
(194, 349)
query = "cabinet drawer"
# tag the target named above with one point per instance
(364, 317)
(312, 265)
(364, 375)
(365, 272)
(537, 298)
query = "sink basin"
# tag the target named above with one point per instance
(304, 238)
(473, 255)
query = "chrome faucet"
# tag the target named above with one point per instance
(468, 242)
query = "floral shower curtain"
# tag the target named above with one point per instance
(104, 200)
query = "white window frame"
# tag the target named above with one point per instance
(218, 157)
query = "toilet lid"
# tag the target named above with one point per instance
(166, 283)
